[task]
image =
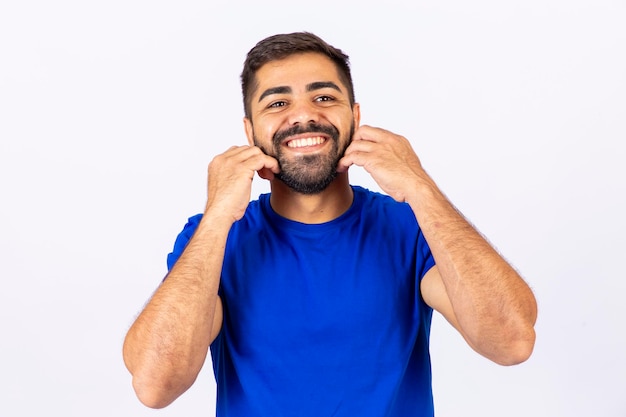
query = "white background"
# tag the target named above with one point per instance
(111, 111)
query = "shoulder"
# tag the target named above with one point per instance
(182, 239)
(192, 224)
(251, 218)
(382, 206)
(253, 212)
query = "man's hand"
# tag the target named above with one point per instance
(230, 179)
(388, 158)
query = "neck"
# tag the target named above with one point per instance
(331, 203)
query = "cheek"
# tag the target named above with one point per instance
(263, 137)
(347, 128)
(346, 120)
(267, 130)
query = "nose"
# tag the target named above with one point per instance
(303, 112)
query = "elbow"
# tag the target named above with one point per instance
(156, 395)
(518, 339)
(515, 351)
(155, 387)
(146, 387)
(511, 344)
(150, 397)
(516, 355)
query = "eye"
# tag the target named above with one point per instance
(321, 99)
(277, 104)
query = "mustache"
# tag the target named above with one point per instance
(281, 135)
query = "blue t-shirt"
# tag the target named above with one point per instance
(323, 319)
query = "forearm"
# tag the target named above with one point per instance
(166, 346)
(494, 308)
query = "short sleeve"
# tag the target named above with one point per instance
(424, 251)
(182, 239)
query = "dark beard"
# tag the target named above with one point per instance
(309, 174)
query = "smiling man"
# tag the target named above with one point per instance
(317, 298)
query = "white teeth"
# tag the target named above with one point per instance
(300, 143)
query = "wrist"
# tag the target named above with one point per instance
(423, 192)
(216, 220)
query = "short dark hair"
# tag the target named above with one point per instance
(282, 46)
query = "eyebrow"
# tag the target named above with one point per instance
(318, 85)
(274, 90)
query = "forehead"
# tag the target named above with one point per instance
(297, 70)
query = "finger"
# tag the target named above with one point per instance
(242, 161)
(266, 174)
(234, 156)
(361, 146)
(265, 165)
(368, 133)
(261, 160)
(357, 158)
(266, 162)
(343, 164)
(270, 168)
(272, 164)
(240, 152)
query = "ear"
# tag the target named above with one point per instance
(356, 114)
(247, 125)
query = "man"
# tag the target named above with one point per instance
(317, 298)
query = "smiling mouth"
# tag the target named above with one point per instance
(304, 142)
